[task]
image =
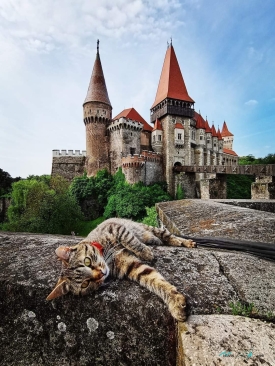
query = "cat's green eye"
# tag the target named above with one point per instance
(85, 284)
(87, 261)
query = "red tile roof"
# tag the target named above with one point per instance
(200, 122)
(219, 134)
(97, 91)
(225, 132)
(171, 83)
(207, 128)
(179, 125)
(214, 132)
(230, 152)
(157, 125)
(132, 114)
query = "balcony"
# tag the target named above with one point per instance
(179, 143)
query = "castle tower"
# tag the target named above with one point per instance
(97, 114)
(174, 109)
(227, 136)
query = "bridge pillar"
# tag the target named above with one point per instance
(263, 188)
(213, 188)
(188, 183)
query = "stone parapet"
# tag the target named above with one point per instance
(139, 160)
(60, 153)
(126, 123)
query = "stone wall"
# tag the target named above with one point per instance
(68, 166)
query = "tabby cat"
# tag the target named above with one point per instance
(114, 248)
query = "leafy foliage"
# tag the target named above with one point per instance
(43, 205)
(151, 217)
(239, 186)
(180, 193)
(6, 182)
(250, 159)
(94, 189)
(130, 201)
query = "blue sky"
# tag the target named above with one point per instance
(226, 51)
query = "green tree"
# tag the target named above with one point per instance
(6, 182)
(151, 217)
(40, 207)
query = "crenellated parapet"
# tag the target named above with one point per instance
(137, 160)
(125, 123)
(61, 153)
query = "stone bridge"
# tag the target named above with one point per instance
(215, 185)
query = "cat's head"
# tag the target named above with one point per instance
(83, 269)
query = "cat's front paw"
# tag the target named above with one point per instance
(188, 243)
(177, 307)
(181, 242)
(146, 254)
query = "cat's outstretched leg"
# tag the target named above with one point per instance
(120, 234)
(165, 236)
(129, 266)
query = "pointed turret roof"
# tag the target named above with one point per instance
(97, 91)
(219, 134)
(171, 83)
(225, 132)
(214, 132)
(207, 128)
(200, 122)
(157, 125)
(132, 114)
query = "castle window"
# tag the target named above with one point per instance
(159, 137)
(201, 137)
(179, 136)
(208, 141)
(132, 150)
(154, 138)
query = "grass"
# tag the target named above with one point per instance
(87, 226)
(238, 308)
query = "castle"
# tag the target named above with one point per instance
(178, 135)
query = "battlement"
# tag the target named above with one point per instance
(139, 160)
(60, 153)
(125, 123)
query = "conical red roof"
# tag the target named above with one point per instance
(225, 132)
(219, 134)
(207, 128)
(157, 125)
(200, 122)
(214, 132)
(97, 91)
(171, 83)
(132, 114)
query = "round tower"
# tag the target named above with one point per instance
(97, 114)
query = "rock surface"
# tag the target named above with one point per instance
(124, 324)
(225, 340)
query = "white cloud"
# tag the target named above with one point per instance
(255, 55)
(251, 102)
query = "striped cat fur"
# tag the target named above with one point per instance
(117, 247)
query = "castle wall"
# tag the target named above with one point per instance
(146, 168)
(188, 183)
(68, 164)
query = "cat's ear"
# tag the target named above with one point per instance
(63, 253)
(61, 288)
